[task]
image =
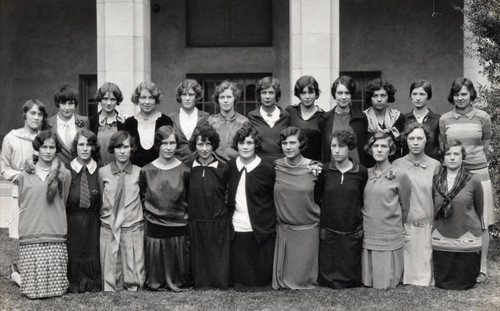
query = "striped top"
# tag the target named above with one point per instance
(472, 129)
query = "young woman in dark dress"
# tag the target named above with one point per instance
(163, 189)
(82, 211)
(208, 213)
(251, 185)
(340, 191)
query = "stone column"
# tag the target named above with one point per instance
(124, 46)
(314, 44)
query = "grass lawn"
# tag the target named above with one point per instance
(482, 297)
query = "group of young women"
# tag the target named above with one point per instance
(280, 197)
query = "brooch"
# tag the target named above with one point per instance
(391, 175)
(80, 123)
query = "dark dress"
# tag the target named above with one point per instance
(311, 129)
(209, 224)
(252, 252)
(163, 195)
(341, 221)
(142, 156)
(84, 268)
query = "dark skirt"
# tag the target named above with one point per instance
(340, 259)
(251, 263)
(210, 253)
(84, 267)
(167, 255)
(456, 270)
(43, 271)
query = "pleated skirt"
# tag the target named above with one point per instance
(168, 260)
(455, 270)
(340, 259)
(42, 268)
(382, 269)
(251, 263)
(296, 258)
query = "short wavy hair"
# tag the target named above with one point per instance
(457, 85)
(64, 93)
(42, 137)
(226, 85)
(151, 87)
(91, 140)
(109, 87)
(163, 133)
(426, 85)
(29, 104)
(346, 81)
(344, 137)
(378, 84)
(184, 86)
(247, 131)
(409, 128)
(377, 136)
(453, 143)
(117, 139)
(291, 131)
(205, 132)
(266, 83)
(306, 82)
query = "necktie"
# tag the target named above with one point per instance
(84, 189)
(117, 215)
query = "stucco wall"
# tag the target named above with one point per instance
(42, 45)
(420, 46)
(172, 60)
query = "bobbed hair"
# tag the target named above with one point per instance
(205, 132)
(457, 85)
(151, 87)
(247, 131)
(346, 81)
(306, 82)
(378, 84)
(91, 140)
(377, 136)
(226, 85)
(266, 83)
(344, 137)
(29, 104)
(42, 137)
(426, 85)
(184, 87)
(454, 143)
(292, 131)
(65, 93)
(163, 133)
(117, 139)
(413, 126)
(109, 87)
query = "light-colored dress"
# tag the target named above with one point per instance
(297, 232)
(387, 200)
(17, 148)
(418, 266)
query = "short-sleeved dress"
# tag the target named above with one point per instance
(84, 267)
(297, 239)
(164, 197)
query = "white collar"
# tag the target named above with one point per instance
(185, 115)
(70, 121)
(212, 164)
(249, 166)
(77, 167)
(275, 115)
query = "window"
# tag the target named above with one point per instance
(221, 23)
(87, 105)
(361, 78)
(247, 83)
